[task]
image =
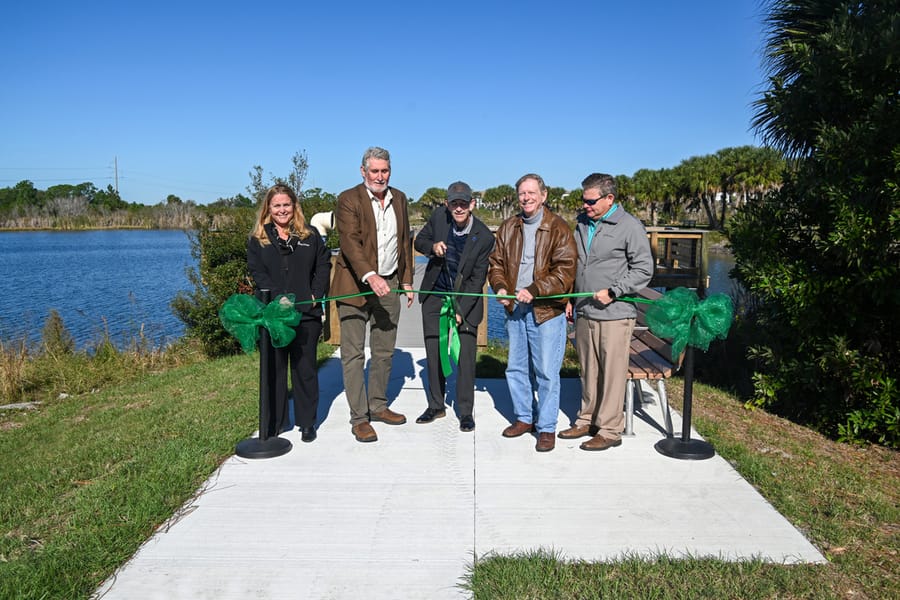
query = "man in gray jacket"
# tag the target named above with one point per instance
(614, 260)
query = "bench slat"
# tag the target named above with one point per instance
(645, 363)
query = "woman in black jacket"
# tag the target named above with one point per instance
(286, 256)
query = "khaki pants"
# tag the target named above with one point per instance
(381, 314)
(603, 348)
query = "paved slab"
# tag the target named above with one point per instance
(405, 516)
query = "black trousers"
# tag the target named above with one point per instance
(465, 373)
(300, 357)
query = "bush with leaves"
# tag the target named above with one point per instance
(221, 255)
(823, 253)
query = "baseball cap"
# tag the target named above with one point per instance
(459, 191)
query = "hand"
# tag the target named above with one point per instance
(439, 248)
(409, 294)
(503, 301)
(570, 313)
(603, 297)
(378, 285)
(524, 296)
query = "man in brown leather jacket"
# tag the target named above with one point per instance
(534, 257)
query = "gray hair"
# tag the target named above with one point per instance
(540, 181)
(376, 153)
(603, 183)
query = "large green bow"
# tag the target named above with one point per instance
(680, 315)
(242, 316)
(449, 336)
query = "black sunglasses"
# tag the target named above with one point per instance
(594, 201)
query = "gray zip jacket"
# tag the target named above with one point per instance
(619, 259)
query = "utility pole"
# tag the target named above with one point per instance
(116, 165)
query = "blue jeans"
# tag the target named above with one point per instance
(535, 357)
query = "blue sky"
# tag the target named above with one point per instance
(186, 97)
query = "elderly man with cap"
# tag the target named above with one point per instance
(457, 246)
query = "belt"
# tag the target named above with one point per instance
(389, 275)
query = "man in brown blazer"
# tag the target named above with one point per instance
(376, 256)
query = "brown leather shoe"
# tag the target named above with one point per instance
(518, 428)
(388, 416)
(573, 432)
(598, 442)
(363, 432)
(546, 442)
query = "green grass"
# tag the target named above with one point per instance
(87, 479)
(84, 480)
(845, 499)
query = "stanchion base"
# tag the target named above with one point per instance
(689, 450)
(256, 448)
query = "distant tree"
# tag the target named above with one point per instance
(238, 201)
(295, 178)
(555, 196)
(501, 198)
(822, 252)
(21, 195)
(433, 197)
(108, 199)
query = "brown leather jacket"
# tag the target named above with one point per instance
(555, 257)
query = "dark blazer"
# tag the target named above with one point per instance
(473, 264)
(359, 243)
(303, 272)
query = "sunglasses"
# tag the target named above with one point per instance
(593, 201)
(459, 204)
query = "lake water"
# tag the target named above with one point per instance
(116, 281)
(123, 282)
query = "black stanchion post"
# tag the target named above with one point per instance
(685, 447)
(268, 444)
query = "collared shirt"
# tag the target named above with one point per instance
(386, 230)
(592, 225)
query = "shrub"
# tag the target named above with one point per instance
(221, 255)
(56, 340)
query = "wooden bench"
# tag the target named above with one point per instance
(649, 359)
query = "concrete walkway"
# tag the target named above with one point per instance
(405, 517)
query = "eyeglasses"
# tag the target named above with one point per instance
(593, 201)
(459, 204)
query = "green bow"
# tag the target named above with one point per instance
(449, 336)
(242, 315)
(680, 315)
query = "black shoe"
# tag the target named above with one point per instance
(430, 415)
(307, 434)
(466, 423)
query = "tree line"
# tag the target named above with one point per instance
(702, 189)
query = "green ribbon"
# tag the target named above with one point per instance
(678, 314)
(242, 315)
(449, 336)
(681, 316)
